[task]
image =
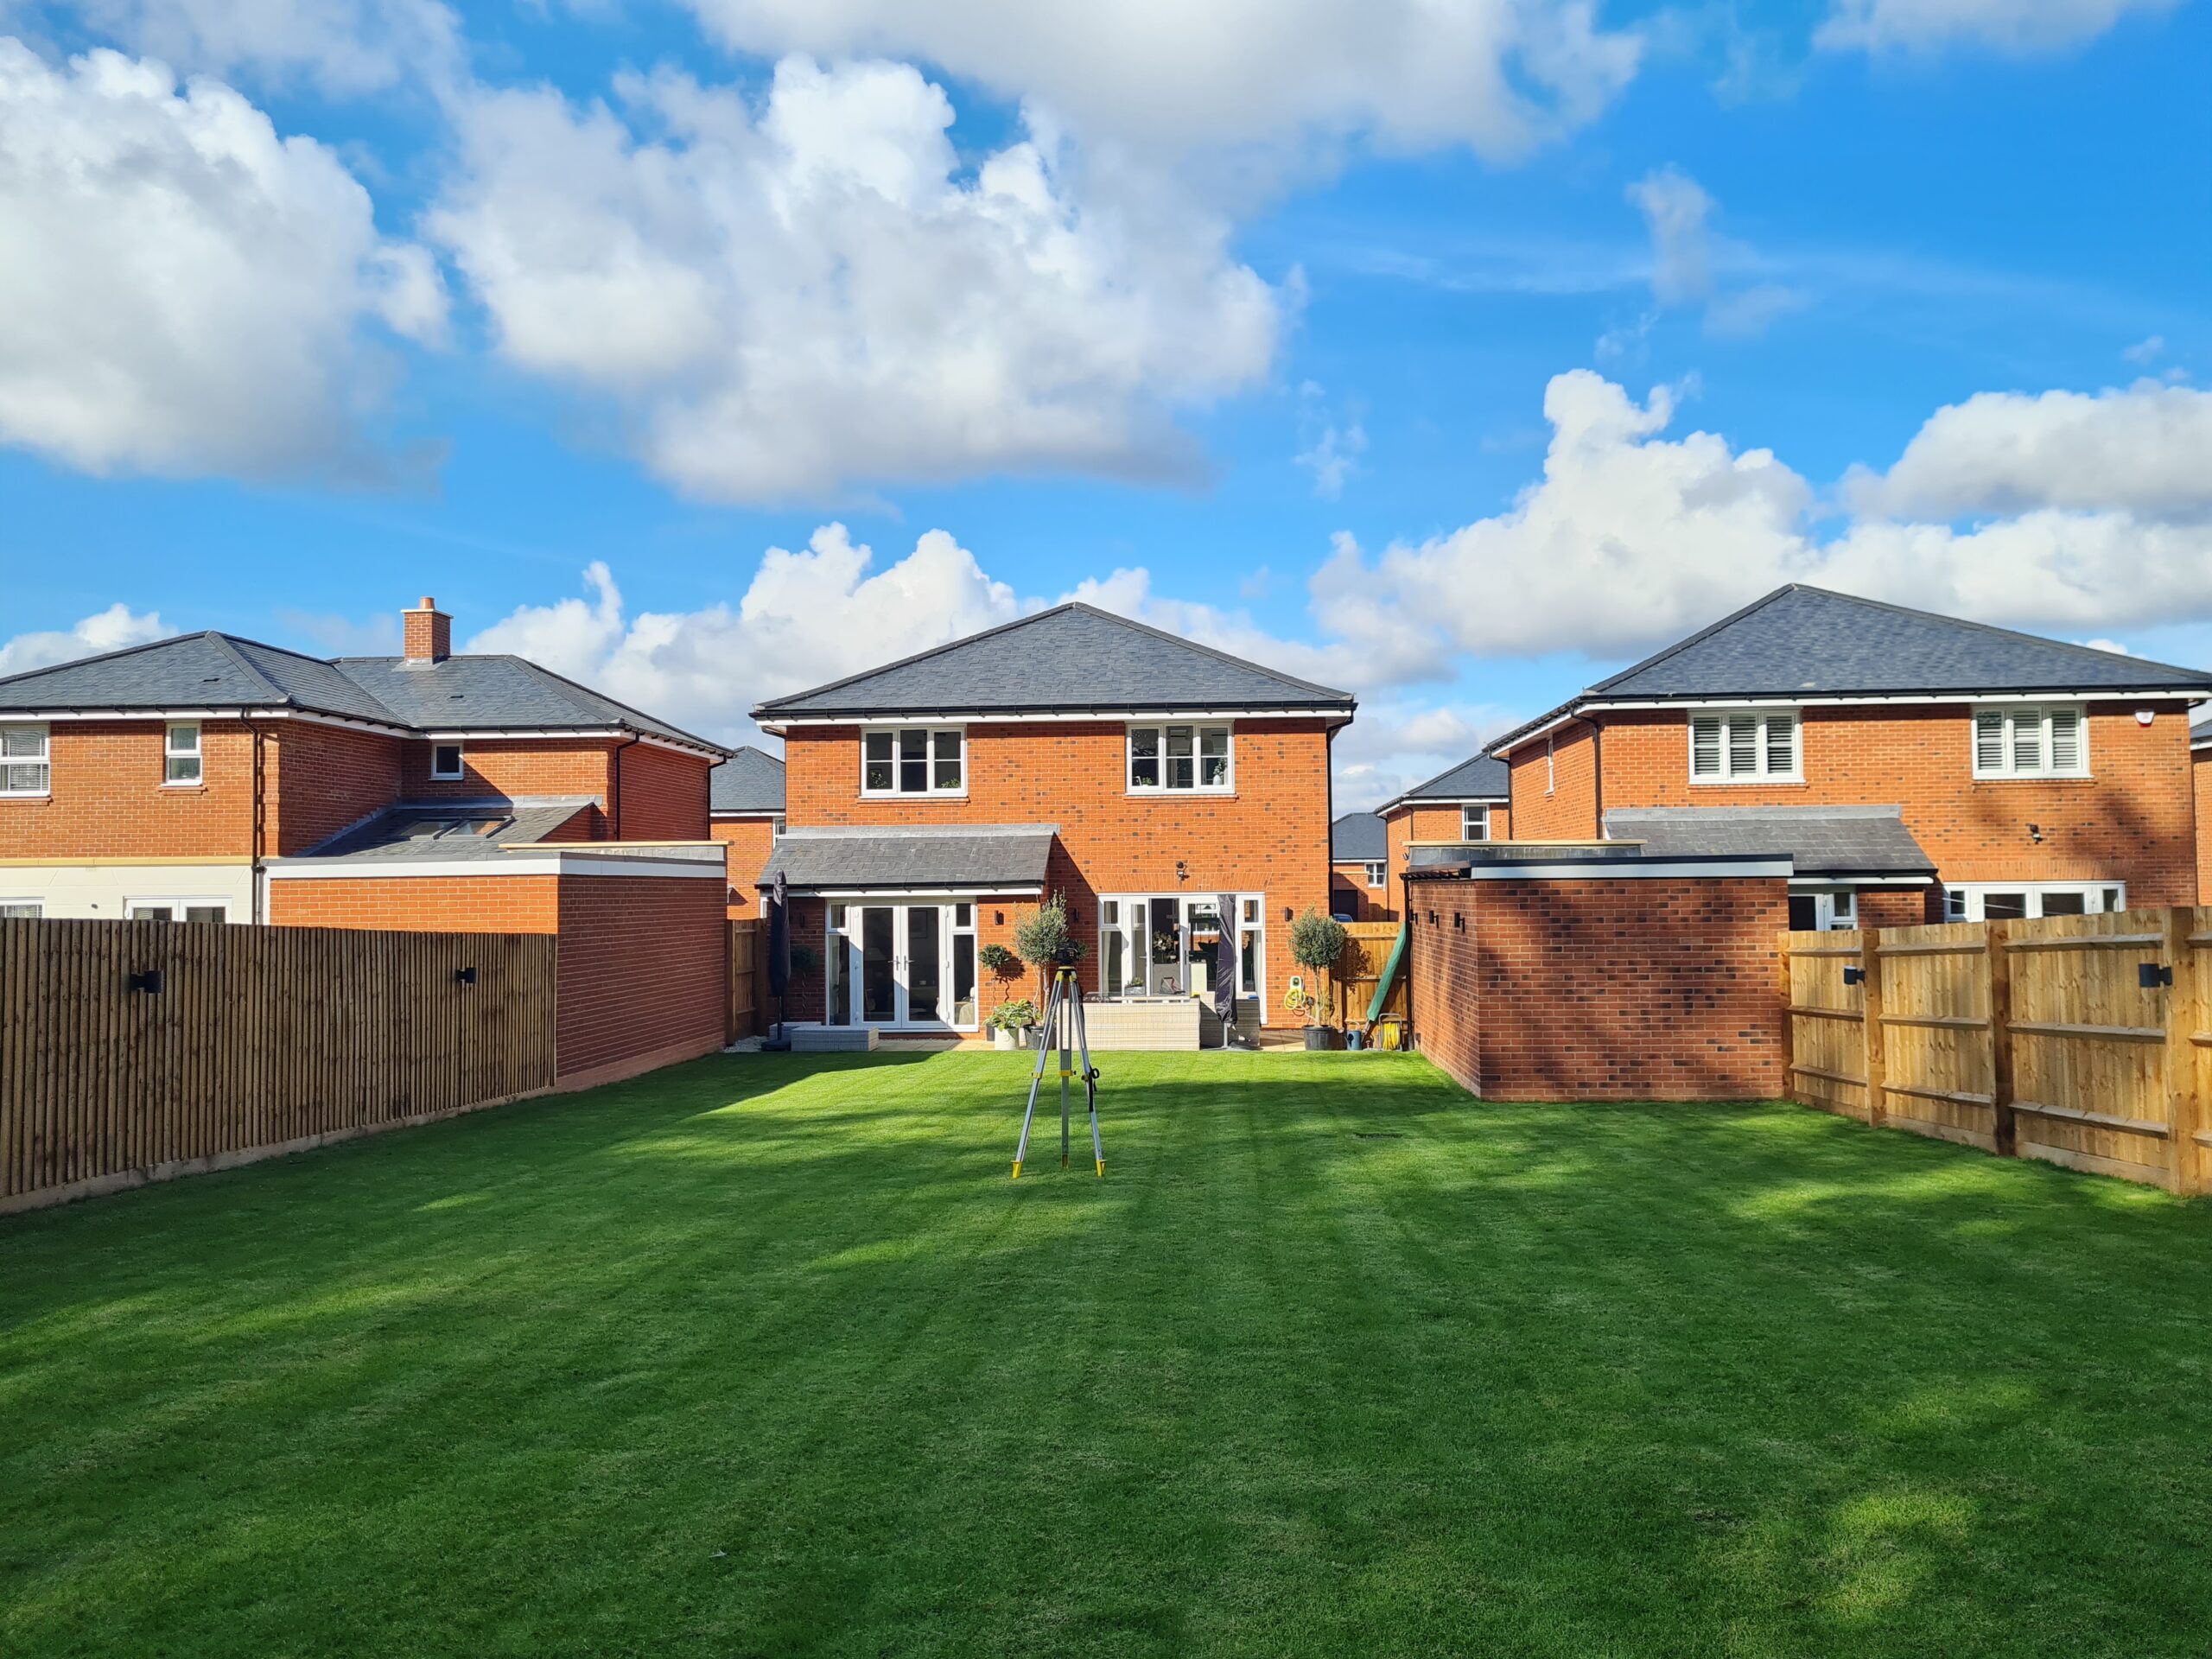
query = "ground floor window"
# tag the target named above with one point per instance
(1169, 944)
(1823, 912)
(21, 910)
(2002, 901)
(901, 963)
(176, 910)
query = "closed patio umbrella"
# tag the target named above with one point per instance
(1225, 969)
(779, 946)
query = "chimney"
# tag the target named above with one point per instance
(428, 633)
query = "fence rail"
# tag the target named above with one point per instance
(131, 1051)
(2078, 1039)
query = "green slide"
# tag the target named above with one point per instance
(1389, 974)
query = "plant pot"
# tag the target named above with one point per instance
(1002, 1038)
(1320, 1037)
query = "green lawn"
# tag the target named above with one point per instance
(765, 1355)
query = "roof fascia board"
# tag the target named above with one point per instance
(846, 895)
(779, 725)
(1611, 869)
(316, 717)
(1850, 879)
(524, 861)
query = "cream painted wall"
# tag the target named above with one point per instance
(101, 892)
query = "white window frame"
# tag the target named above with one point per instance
(1962, 901)
(2013, 717)
(1200, 730)
(44, 762)
(1551, 765)
(176, 903)
(460, 763)
(776, 827)
(1378, 873)
(36, 906)
(171, 754)
(1763, 747)
(1474, 823)
(930, 792)
(1251, 918)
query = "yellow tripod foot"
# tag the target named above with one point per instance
(1102, 1169)
(1017, 1169)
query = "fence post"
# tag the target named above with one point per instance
(1876, 1057)
(1789, 1025)
(2002, 1129)
(2185, 1019)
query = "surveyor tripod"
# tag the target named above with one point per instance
(1063, 1029)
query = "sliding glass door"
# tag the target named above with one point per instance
(905, 966)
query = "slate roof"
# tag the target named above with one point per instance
(451, 829)
(221, 671)
(1071, 658)
(997, 856)
(749, 781)
(1478, 778)
(1806, 642)
(1357, 837)
(1833, 840)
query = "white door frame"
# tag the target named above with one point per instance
(901, 908)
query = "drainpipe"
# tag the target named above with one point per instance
(1406, 903)
(616, 789)
(259, 843)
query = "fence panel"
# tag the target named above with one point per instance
(134, 1050)
(2079, 1040)
(1356, 973)
(748, 973)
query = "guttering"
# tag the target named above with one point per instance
(776, 725)
(364, 723)
(1684, 865)
(933, 889)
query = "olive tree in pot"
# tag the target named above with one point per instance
(1045, 937)
(1316, 942)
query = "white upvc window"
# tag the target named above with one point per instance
(1551, 765)
(775, 828)
(1474, 823)
(176, 910)
(1378, 872)
(25, 764)
(915, 761)
(1181, 759)
(181, 752)
(2032, 740)
(447, 762)
(1751, 746)
(2002, 901)
(21, 910)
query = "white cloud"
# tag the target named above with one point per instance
(2146, 449)
(1395, 745)
(805, 618)
(1678, 212)
(1333, 444)
(109, 630)
(1632, 538)
(2112, 646)
(1499, 75)
(186, 291)
(346, 47)
(2146, 352)
(2012, 26)
(792, 303)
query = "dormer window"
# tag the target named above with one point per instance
(1749, 747)
(1181, 760)
(915, 761)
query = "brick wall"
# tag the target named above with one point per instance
(1603, 988)
(1560, 802)
(324, 778)
(2201, 771)
(511, 768)
(107, 799)
(664, 793)
(2133, 821)
(749, 842)
(1409, 824)
(641, 973)
(1271, 836)
(428, 904)
(1349, 895)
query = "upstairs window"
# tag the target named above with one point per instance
(1378, 872)
(915, 761)
(1474, 823)
(180, 753)
(1752, 748)
(2047, 740)
(1181, 759)
(446, 764)
(24, 767)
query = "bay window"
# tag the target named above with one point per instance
(1180, 759)
(915, 761)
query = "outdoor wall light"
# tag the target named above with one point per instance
(1853, 975)
(2150, 976)
(464, 976)
(1182, 870)
(2035, 834)
(148, 979)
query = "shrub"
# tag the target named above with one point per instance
(805, 959)
(1316, 942)
(1000, 960)
(1014, 1015)
(1043, 936)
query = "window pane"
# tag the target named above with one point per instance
(1844, 910)
(203, 912)
(152, 914)
(184, 740)
(1781, 745)
(1705, 746)
(1251, 910)
(2066, 904)
(1247, 961)
(2004, 907)
(913, 777)
(1474, 823)
(23, 742)
(914, 746)
(1181, 772)
(1144, 756)
(2113, 899)
(964, 915)
(2027, 740)
(1743, 746)
(1804, 915)
(1989, 741)
(181, 769)
(1955, 907)
(2065, 740)
(1213, 757)
(948, 774)
(23, 779)
(945, 746)
(878, 746)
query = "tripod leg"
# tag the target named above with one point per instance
(1036, 1081)
(1091, 1089)
(1065, 982)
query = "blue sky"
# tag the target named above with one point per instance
(1374, 344)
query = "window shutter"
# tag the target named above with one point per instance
(1705, 745)
(2027, 740)
(1989, 741)
(1781, 745)
(1743, 746)
(2066, 740)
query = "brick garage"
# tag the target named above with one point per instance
(642, 962)
(1628, 981)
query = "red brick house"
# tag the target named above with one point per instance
(1361, 887)
(745, 805)
(1464, 805)
(929, 803)
(1914, 768)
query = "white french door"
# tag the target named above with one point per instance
(902, 965)
(1163, 944)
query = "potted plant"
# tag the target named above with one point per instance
(1009, 1020)
(1316, 942)
(1045, 937)
(1000, 960)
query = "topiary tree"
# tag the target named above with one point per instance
(1045, 937)
(1316, 942)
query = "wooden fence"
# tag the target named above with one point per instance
(748, 980)
(1358, 970)
(2079, 1039)
(134, 1051)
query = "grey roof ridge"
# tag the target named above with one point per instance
(648, 725)
(1701, 635)
(769, 707)
(228, 643)
(913, 832)
(1407, 795)
(1692, 814)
